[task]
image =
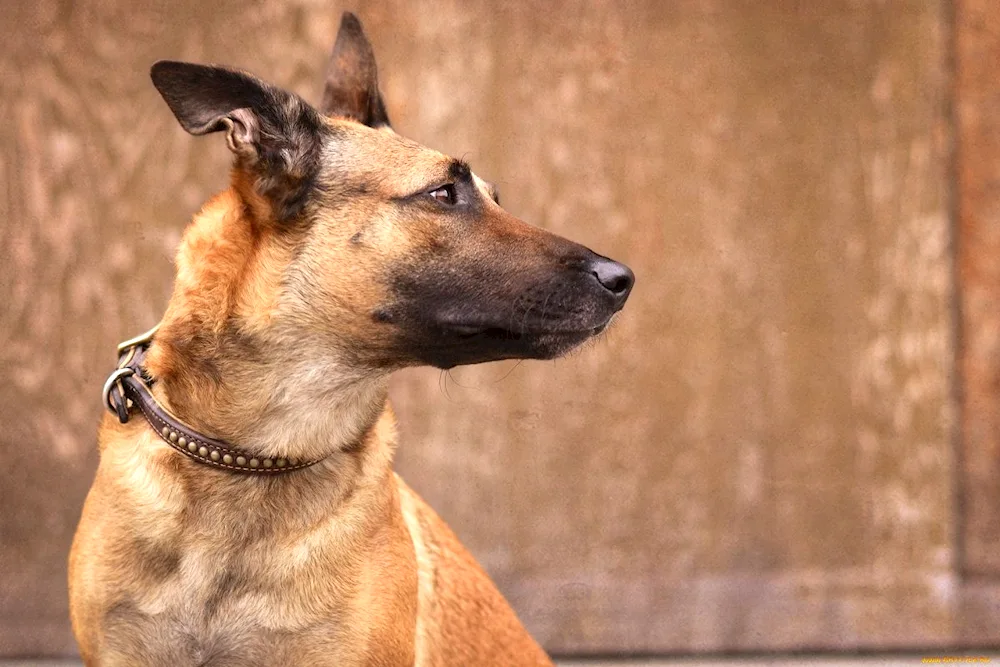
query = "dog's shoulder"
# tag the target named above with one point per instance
(464, 619)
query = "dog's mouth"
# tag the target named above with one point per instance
(470, 331)
(457, 344)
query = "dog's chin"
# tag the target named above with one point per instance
(461, 345)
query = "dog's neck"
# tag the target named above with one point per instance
(221, 367)
(303, 409)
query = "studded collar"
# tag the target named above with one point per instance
(127, 390)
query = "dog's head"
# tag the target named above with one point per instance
(391, 252)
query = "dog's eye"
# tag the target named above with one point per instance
(445, 194)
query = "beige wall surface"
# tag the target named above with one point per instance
(760, 453)
(978, 121)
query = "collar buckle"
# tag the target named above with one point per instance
(113, 393)
(141, 339)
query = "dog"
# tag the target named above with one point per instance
(245, 510)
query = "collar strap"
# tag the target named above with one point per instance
(127, 389)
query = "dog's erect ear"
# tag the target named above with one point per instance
(352, 79)
(274, 134)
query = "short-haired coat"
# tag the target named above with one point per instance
(340, 253)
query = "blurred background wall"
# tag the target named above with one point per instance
(788, 440)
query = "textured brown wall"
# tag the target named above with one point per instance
(758, 456)
(977, 42)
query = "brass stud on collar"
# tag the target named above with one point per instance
(281, 463)
(241, 460)
(182, 441)
(214, 455)
(227, 459)
(254, 463)
(192, 447)
(165, 431)
(173, 436)
(203, 451)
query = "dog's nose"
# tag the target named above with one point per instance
(614, 277)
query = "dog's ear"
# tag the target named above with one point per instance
(352, 79)
(275, 135)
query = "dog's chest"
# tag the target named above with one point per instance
(218, 610)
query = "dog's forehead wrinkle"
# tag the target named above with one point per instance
(394, 164)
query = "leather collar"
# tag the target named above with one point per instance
(127, 390)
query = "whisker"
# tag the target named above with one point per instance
(507, 374)
(457, 383)
(538, 287)
(443, 384)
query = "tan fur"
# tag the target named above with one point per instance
(174, 564)
(287, 317)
